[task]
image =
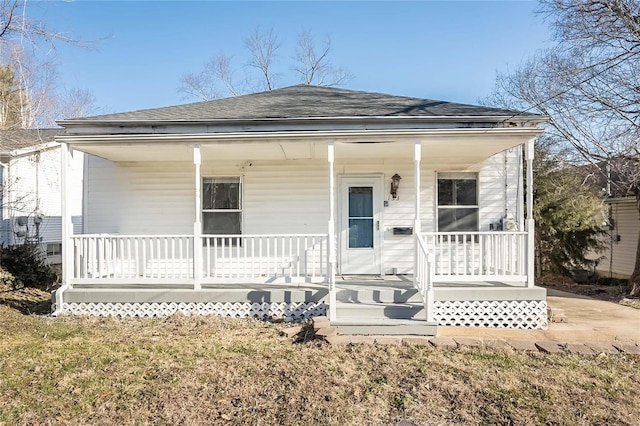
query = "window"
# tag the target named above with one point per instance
(221, 205)
(54, 249)
(457, 202)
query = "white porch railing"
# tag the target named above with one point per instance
(423, 276)
(273, 257)
(169, 259)
(134, 258)
(468, 256)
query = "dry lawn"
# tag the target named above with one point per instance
(196, 370)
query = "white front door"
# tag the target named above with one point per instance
(360, 225)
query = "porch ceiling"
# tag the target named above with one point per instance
(441, 151)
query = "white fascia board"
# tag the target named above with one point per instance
(388, 135)
(31, 149)
(329, 120)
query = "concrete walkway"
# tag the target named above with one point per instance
(583, 320)
(586, 326)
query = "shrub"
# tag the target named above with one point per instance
(26, 267)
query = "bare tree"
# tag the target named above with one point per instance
(313, 64)
(16, 25)
(588, 85)
(263, 47)
(219, 77)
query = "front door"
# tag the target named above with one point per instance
(360, 225)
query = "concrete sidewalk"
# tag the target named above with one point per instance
(589, 326)
(585, 320)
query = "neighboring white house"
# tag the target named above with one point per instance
(301, 199)
(619, 256)
(30, 170)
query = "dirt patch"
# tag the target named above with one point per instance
(26, 300)
(613, 291)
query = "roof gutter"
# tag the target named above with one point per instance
(535, 119)
(381, 135)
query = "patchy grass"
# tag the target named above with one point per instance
(201, 370)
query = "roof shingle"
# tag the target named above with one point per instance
(16, 139)
(305, 101)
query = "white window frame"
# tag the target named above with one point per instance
(57, 252)
(452, 175)
(240, 201)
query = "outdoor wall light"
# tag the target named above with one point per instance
(395, 183)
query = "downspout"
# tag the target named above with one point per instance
(67, 232)
(506, 184)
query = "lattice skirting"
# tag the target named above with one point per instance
(286, 311)
(521, 314)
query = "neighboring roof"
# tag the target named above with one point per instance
(305, 102)
(11, 140)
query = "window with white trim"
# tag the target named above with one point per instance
(54, 249)
(222, 205)
(458, 202)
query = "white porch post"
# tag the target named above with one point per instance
(417, 230)
(332, 234)
(197, 224)
(417, 225)
(531, 272)
(67, 228)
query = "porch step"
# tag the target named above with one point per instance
(386, 326)
(374, 311)
(377, 294)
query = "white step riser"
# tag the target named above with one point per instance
(376, 312)
(393, 330)
(382, 296)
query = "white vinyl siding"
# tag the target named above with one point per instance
(33, 185)
(279, 197)
(620, 256)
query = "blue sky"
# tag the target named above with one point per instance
(439, 50)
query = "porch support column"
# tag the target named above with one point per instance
(197, 224)
(331, 265)
(67, 229)
(531, 272)
(417, 225)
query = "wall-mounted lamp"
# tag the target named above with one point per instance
(395, 183)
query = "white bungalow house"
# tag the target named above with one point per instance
(30, 173)
(391, 214)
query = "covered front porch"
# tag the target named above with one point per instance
(461, 278)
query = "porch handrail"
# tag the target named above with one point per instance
(136, 258)
(478, 255)
(424, 276)
(288, 256)
(157, 259)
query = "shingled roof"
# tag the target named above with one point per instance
(16, 139)
(304, 101)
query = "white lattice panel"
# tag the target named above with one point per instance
(523, 314)
(287, 311)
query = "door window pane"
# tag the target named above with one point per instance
(361, 233)
(360, 201)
